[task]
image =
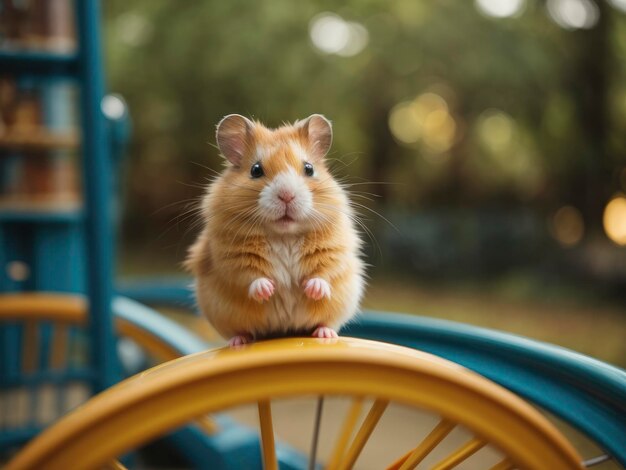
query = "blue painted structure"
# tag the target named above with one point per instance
(65, 248)
(60, 247)
(97, 175)
(586, 393)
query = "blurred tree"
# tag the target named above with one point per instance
(533, 108)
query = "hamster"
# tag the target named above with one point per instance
(279, 253)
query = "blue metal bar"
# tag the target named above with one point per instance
(39, 217)
(174, 292)
(49, 377)
(168, 331)
(17, 437)
(97, 184)
(19, 61)
(588, 394)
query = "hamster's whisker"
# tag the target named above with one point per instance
(192, 185)
(363, 206)
(340, 159)
(238, 217)
(256, 222)
(365, 183)
(185, 202)
(356, 219)
(245, 188)
(362, 196)
(354, 191)
(252, 212)
(179, 218)
(215, 172)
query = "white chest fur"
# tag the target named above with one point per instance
(288, 311)
(286, 260)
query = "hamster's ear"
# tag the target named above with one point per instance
(233, 137)
(319, 132)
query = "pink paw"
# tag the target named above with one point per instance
(261, 289)
(324, 332)
(317, 288)
(239, 340)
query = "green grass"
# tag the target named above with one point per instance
(579, 321)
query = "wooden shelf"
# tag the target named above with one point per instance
(33, 211)
(38, 140)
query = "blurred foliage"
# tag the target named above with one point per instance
(539, 111)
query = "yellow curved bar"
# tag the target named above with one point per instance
(173, 393)
(33, 306)
(72, 309)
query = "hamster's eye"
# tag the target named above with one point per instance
(308, 169)
(256, 171)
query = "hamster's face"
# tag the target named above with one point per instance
(280, 182)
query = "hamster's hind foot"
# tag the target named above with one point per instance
(324, 332)
(240, 340)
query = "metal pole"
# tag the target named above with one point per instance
(316, 433)
(97, 194)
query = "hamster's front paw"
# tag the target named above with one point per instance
(316, 288)
(261, 289)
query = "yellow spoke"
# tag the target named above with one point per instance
(459, 455)
(267, 436)
(346, 432)
(419, 453)
(59, 347)
(30, 347)
(377, 410)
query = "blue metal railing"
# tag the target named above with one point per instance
(97, 176)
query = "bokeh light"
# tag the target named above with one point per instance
(574, 14)
(500, 8)
(495, 129)
(619, 4)
(567, 226)
(403, 122)
(331, 34)
(614, 220)
(358, 37)
(113, 106)
(18, 271)
(426, 120)
(134, 29)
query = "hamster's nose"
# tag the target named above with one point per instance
(286, 196)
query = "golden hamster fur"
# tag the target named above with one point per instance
(279, 253)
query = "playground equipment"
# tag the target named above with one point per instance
(62, 243)
(207, 382)
(584, 392)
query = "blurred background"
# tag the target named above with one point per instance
(483, 142)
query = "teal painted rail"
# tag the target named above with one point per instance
(587, 393)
